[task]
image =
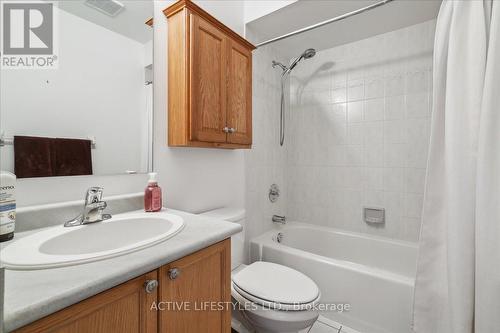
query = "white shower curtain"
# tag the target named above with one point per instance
(458, 276)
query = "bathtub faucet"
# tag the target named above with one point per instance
(279, 219)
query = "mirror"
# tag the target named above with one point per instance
(99, 95)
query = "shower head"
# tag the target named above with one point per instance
(307, 54)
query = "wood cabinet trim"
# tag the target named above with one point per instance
(178, 99)
(181, 4)
(215, 145)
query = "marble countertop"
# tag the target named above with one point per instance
(31, 295)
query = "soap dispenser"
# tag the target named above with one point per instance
(152, 195)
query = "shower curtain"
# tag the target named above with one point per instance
(457, 286)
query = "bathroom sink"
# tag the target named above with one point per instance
(64, 246)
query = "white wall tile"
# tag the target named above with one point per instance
(357, 135)
(374, 109)
(374, 87)
(374, 178)
(417, 82)
(373, 132)
(417, 105)
(339, 95)
(355, 112)
(355, 90)
(395, 107)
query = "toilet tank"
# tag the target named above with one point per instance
(235, 215)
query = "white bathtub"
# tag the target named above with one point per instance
(374, 275)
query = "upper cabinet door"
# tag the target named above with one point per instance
(239, 94)
(208, 56)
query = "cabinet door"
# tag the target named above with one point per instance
(239, 94)
(208, 54)
(192, 286)
(123, 309)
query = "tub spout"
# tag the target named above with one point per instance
(279, 219)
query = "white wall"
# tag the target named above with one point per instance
(98, 90)
(359, 130)
(255, 9)
(193, 179)
(231, 13)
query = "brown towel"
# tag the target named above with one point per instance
(72, 157)
(32, 157)
(45, 157)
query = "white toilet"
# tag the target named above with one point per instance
(270, 297)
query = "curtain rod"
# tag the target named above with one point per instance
(320, 24)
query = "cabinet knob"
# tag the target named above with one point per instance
(174, 273)
(150, 286)
(228, 130)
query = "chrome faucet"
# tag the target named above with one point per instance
(92, 210)
(279, 219)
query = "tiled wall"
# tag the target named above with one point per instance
(358, 133)
(265, 162)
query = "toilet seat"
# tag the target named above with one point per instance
(276, 287)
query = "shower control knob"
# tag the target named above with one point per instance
(150, 285)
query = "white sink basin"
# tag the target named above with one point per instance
(64, 246)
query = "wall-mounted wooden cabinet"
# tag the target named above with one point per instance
(146, 303)
(209, 81)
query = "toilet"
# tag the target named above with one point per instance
(268, 297)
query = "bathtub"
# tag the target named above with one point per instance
(374, 275)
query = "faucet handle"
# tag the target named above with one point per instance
(93, 195)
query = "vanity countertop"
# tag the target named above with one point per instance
(31, 295)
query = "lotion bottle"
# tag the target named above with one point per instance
(7, 205)
(152, 195)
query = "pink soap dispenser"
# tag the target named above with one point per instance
(152, 195)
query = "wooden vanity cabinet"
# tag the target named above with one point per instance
(200, 284)
(122, 309)
(209, 81)
(194, 283)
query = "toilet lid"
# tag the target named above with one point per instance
(271, 284)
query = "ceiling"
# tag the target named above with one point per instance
(391, 16)
(130, 22)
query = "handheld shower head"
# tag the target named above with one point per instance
(307, 54)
